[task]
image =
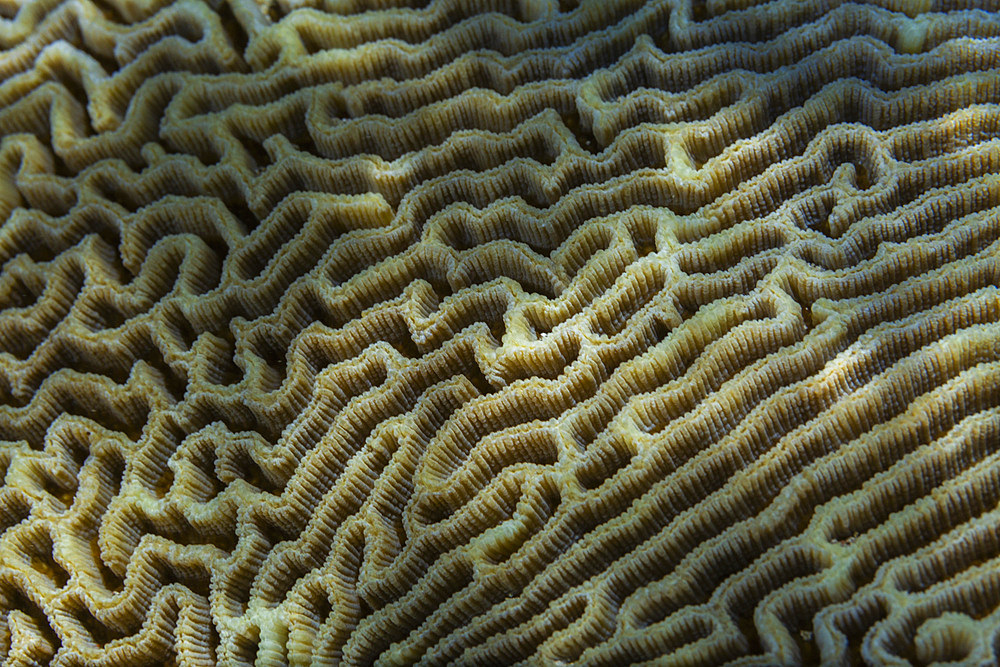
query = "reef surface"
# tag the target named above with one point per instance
(497, 332)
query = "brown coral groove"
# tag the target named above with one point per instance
(503, 332)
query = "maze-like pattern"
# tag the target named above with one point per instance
(503, 331)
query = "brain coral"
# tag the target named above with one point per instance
(496, 332)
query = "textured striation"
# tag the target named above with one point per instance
(496, 332)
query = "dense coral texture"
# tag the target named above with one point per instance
(494, 332)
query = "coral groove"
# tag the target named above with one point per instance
(598, 332)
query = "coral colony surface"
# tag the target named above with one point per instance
(494, 332)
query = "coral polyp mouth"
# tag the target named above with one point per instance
(595, 332)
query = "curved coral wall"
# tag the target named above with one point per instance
(486, 332)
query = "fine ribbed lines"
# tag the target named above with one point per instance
(499, 333)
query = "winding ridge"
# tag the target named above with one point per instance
(497, 332)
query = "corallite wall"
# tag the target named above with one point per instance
(499, 332)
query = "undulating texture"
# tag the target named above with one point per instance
(499, 331)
